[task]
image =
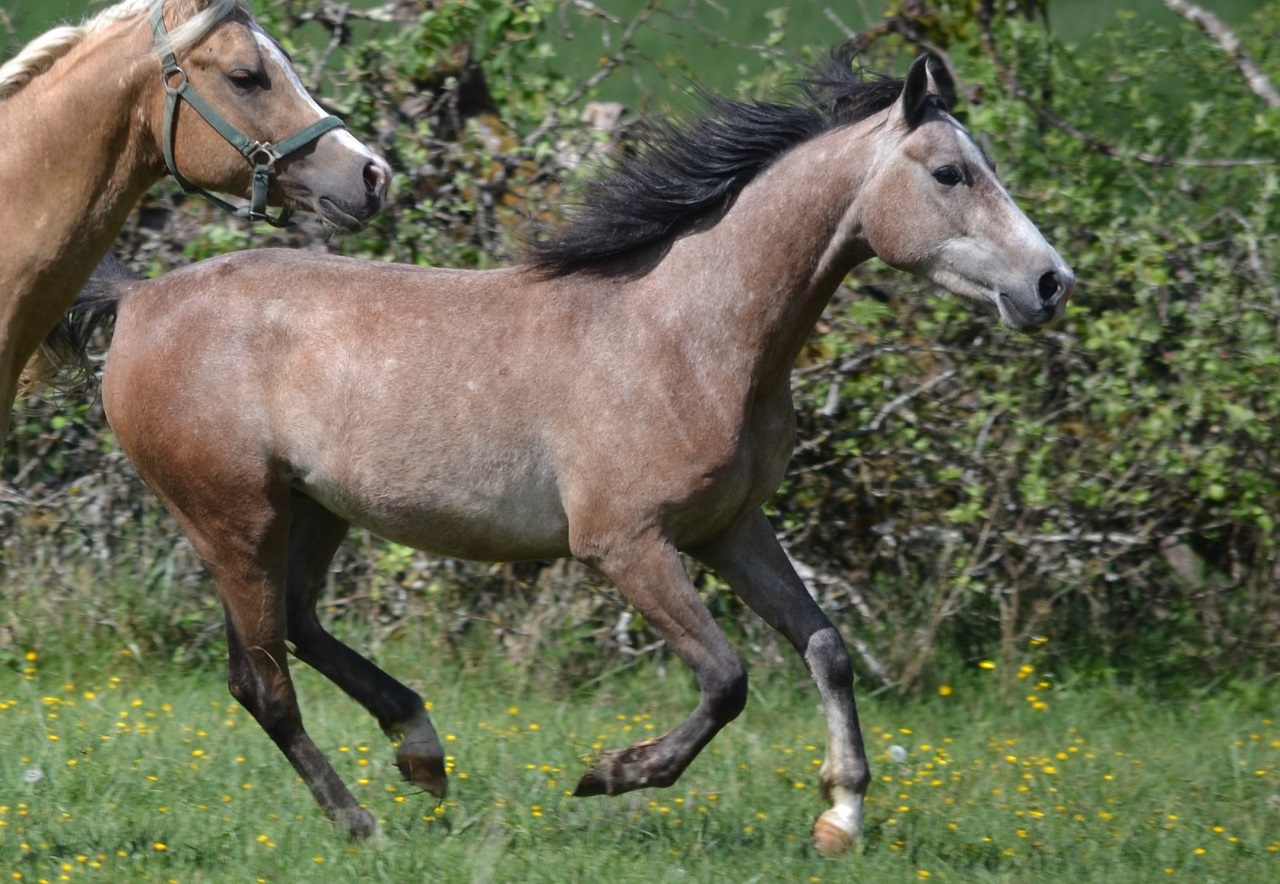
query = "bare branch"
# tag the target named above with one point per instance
(1047, 116)
(1226, 38)
(607, 67)
(899, 401)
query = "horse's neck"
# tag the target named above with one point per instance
(756, 282)
(78, 165)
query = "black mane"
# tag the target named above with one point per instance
(680, 175)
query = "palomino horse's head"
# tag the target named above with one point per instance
(932, 205)
(240, 121)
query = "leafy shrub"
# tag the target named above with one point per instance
(958, 493)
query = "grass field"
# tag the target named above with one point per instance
(117, 772)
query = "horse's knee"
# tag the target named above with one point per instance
(828, 660)
(728, 696)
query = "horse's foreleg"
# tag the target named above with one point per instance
(314, 537)
(652, 578)
(756, 567)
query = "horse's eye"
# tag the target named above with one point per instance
(243, 78)
(947, 176)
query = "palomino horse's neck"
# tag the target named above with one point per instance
(757, 281)
(70, 178)
(82, 123)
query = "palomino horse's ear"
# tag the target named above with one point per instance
(925, 77)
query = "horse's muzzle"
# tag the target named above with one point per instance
(1031, 312)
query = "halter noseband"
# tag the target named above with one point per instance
(263, 155)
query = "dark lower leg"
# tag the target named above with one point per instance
(314, 536)
(399, 711)
(258, 677)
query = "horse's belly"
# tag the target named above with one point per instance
(498, 524)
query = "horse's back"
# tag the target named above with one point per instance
(366, 385)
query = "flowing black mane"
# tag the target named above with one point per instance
(680, 174)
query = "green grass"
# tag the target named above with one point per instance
(155, 775)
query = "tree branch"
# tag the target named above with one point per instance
(607, 67)
(1226, 38)
(1047, 116)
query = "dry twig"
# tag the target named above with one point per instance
(1226, 38)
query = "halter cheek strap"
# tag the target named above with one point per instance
(262, 155)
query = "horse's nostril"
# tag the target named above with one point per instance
(375, 179)
(1050, 286)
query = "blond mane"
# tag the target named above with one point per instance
(41, 53)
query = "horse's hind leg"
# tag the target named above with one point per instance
(652, 578)
(258, 676)
(313, 538)
(241, 535)
(756, 567)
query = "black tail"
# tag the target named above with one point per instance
(63, 360)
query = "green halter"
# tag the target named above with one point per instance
(263, 155)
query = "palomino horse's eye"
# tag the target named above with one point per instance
(245, 79)
(947, 176)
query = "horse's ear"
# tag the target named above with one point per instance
(940, 82)
(925, 77)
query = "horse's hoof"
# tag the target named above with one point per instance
(591, 784)
(356, 824)
(834, 832)
(424, 772)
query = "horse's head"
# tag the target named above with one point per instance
(237, 119)
(932, 205)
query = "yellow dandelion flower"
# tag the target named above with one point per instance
(944, 690)
(986, 664)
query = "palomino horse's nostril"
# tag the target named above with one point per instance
(375, 179)
(1050, 286)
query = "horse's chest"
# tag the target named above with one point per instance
(735, 471)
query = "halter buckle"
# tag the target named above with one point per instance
(175, 80)
(262, 153)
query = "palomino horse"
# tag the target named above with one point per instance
(621, 397)
(93, 115)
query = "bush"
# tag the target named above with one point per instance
(958, 492)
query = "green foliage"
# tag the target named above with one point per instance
(1114, 482)
(1112, 485)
